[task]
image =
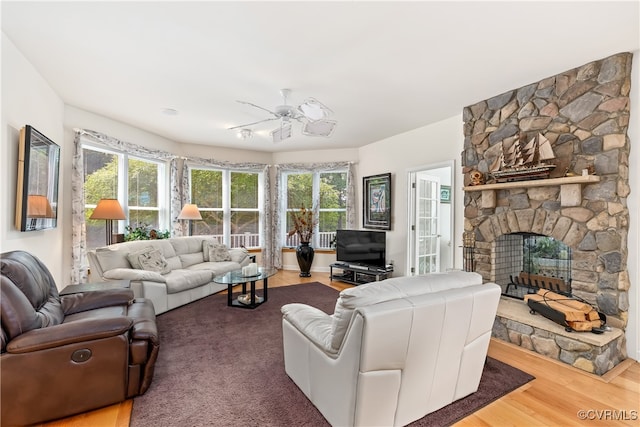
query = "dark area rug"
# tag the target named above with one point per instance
(224, 366)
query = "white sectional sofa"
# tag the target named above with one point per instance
(170, 272)
(394, 350)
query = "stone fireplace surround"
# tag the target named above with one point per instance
(584, 112)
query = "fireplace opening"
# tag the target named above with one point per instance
(526, 262)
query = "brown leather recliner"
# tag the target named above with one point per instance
(65, 355)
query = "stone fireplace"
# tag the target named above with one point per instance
(584, 113)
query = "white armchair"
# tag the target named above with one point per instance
(393, 351)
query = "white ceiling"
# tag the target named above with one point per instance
(384, 68)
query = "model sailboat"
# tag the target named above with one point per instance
(518, 163)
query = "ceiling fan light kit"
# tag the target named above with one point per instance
(319, 128)
(311, 114)
(282, 133)
(245, 133)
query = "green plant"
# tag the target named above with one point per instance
(144, 232)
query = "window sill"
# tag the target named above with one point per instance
(321, 251)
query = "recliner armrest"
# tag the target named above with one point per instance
(313, 323)
(75, 303)
(69, 333)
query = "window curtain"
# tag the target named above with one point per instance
(278, 194)
(80, 267)
(272, 250)
(179, 181)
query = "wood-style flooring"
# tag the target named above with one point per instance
(559, 396)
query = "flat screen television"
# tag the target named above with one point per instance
(361, 247)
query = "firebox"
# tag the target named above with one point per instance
(526, 262)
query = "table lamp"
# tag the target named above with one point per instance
(108, 209)
(190, 212)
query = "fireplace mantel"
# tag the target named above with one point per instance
(570, 188)
(579, 179)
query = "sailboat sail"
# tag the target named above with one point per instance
(529, 151)
(523, 162)
(544, 149)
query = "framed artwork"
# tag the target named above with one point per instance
(377, 201)
(445, 194)
(37, 181)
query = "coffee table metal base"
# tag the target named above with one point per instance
(255, 301)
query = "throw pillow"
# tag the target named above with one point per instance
(206, 244)
(149, 259)
(218, 253)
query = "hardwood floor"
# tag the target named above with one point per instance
(559, 395)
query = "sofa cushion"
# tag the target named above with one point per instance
(390, 289)
(191, 259)
(110, 259)
(182, 280)
(206, 244)
(219, 253)
(238, 254)
(187, 244)
(150, 259)
(216, 268)
(132, 274)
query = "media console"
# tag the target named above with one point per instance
(358, 274)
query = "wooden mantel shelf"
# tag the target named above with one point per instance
(570, 188)
(588, 179)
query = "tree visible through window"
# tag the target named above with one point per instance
(326, 193)
(112, 175)
(229, 202)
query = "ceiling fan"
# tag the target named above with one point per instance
(311, 113)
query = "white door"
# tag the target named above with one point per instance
(425, 228)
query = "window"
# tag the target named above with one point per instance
(229, 202)
(326, 192)
(139, 182)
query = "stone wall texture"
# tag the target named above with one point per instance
(584, 113)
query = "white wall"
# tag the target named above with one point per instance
(28, 99)
(436, 143)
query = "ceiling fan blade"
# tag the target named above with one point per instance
(257, 106)
(319, 128)
(254, 123)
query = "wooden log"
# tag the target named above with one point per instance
(580, 326)
(568, 301)
(569, 313)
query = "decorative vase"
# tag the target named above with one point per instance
(304, 254)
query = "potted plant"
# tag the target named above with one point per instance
(144, 232)
(304, 221)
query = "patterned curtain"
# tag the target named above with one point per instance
(272, 249)
(352, 220)
(80, 267)
(179, 181)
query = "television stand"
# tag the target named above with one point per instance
(358, 274)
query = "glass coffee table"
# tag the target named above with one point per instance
(246, 300)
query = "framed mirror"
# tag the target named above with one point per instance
(37, 183)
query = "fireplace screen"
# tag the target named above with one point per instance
(525, 262)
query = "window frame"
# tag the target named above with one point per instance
(163, 205)
(226, 208)
(315, 197)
